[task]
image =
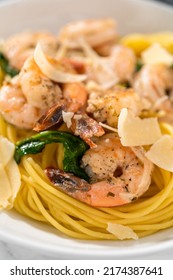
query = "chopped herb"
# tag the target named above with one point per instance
(139, 66)
(5, 66)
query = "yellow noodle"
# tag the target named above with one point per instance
(27, 211)
(52, 220)
(11, 134)
(69, 209)
(39, 200)
(31, 203)
(60, 155)
(48, 156)
(3, 127)
(32, 167)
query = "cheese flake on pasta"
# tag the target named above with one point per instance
(6, 150)
(161, 153)
(10, 179)
(121, 232)
(156, 54)
(134, 131)
(5, 188)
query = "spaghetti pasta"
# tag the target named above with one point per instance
(39, 200)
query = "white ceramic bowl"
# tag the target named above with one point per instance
(132, 16)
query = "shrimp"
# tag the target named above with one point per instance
(116, 68)
(105, 106)
(41, 93)
(76, 96)
(38, 90)
(24, 100)
(86, 128)
(154, 84)
(19, 47)
(81, 124)
(118, 174)
(14, 107)
(123, 62)
(95, 32)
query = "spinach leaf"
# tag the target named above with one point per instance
(5, 66)
(74, 148)
(139, 66)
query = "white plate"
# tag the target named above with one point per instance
(132, 16)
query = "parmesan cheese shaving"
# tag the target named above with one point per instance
(62, 50)
(103, 71)
(108, 127)
(52, 72)
(10, 179)
(121, 232)
(6, 150)
(161, 153)
(156, 54)
(5, 188)
(160, 101)
(77, 116)
(134, 131)
(67, 116)
(148, 167)
(13, 174)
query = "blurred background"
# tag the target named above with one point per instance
(167, 1)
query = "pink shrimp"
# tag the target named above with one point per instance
(19, 47)
(118, 175)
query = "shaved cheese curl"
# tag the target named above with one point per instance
(52, 72)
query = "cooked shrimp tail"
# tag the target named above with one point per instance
(86, 128)
(82, 190)
(118, 175)
(76, 96)
(67, 181)
(53, 117)
(81, 125)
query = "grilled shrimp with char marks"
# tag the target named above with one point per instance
(118, 174)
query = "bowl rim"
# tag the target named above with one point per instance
(150, 2)
(81, 252)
